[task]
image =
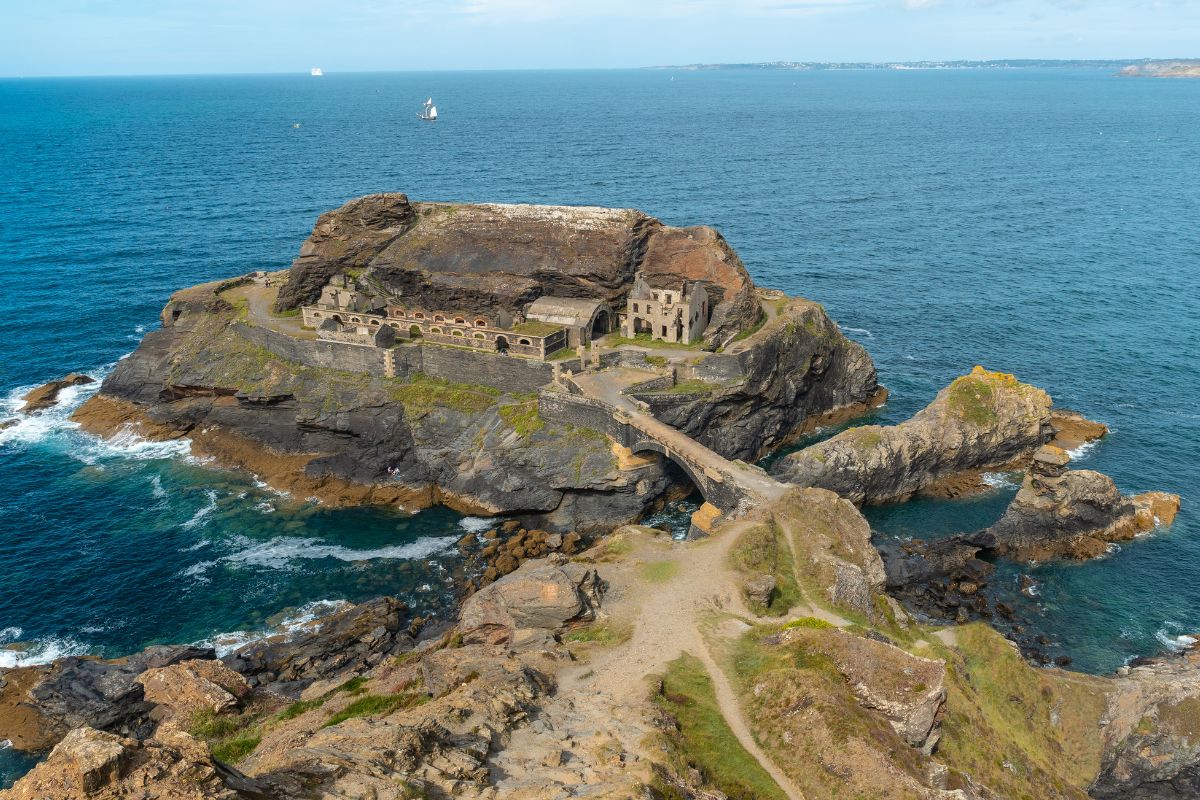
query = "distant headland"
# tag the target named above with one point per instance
(1146, 67)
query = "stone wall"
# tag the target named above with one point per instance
(506, 373)
(317, 353)
(582, 412)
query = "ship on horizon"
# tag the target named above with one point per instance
(316, 72)
(429, 112)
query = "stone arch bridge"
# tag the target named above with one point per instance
(730, 487)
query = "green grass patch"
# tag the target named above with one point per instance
(562, 354)
(809, 622)
(291, 312)
(376, 705)
(422, 393)
(523, 417)
(704, 740)
(657, 361)
(764, 549)
(659, 571)
(605, 634)
(535, 327)
(753, 329)
(645, 340)
(234, 750)
(301, 707)
(1026, 733)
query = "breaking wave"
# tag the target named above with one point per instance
(41, 651)
(306, 617)
(476, 524)
(1002, 480)
(200, 518)
(1173, 639)
(862, 331)
(1082, 450)
(281, 552)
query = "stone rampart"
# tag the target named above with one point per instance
(506, 373)
(315, 352)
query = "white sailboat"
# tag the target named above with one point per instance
(316, 72)
(429, 112)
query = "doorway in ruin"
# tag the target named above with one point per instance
(501, 344)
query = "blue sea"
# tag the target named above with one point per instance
(1042, 222)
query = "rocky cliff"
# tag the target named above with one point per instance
(981, 421)
(486, 257)
(337, 428)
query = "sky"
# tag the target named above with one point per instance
(132, 37)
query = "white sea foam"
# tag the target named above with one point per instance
(863, 331)
(5, 744)
(264, 507)
(306, 618)
(41, 651)
(156, 487)
(200, 518)
(1002, 480)
(1082, 450)
(1170, 636)
(10, 634)
(127, 443)
(476, 524)
(282, 553)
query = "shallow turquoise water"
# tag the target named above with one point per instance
(1039, 222)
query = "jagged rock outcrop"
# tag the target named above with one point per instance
(981, 421)
(485, 257)
(798, 373)
(542, 596)
(97, 765)
(831, 542)
(1152, 732)
(39, 704)
(194, 687)
(1064, 513)
(46, 395)
(344, 642)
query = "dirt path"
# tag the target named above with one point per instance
(602, 703)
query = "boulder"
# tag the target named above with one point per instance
(46, 395)
(759, 588)
(194, 686)
(542, 595)
(39, 704)
(97, 765)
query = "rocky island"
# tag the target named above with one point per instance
(566, 370)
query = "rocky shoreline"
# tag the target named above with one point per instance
(586, 651)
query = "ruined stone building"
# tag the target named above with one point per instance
(585, 319)
(667, 307)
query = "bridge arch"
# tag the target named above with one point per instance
(698, 480)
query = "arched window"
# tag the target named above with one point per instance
(395, 325)
(374, 322)
(456, 333)
(523, 341)
(419, 315)
(479, 336)
(481, 323)
(459, 321)
(438, 318)
(356, 319)
(435, 330)
(414, 331)
(316, 313)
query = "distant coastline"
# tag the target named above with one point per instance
(1148, 67)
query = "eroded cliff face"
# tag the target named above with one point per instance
(352, 437)
(796, 373)
(983, 420)
(487, 257)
